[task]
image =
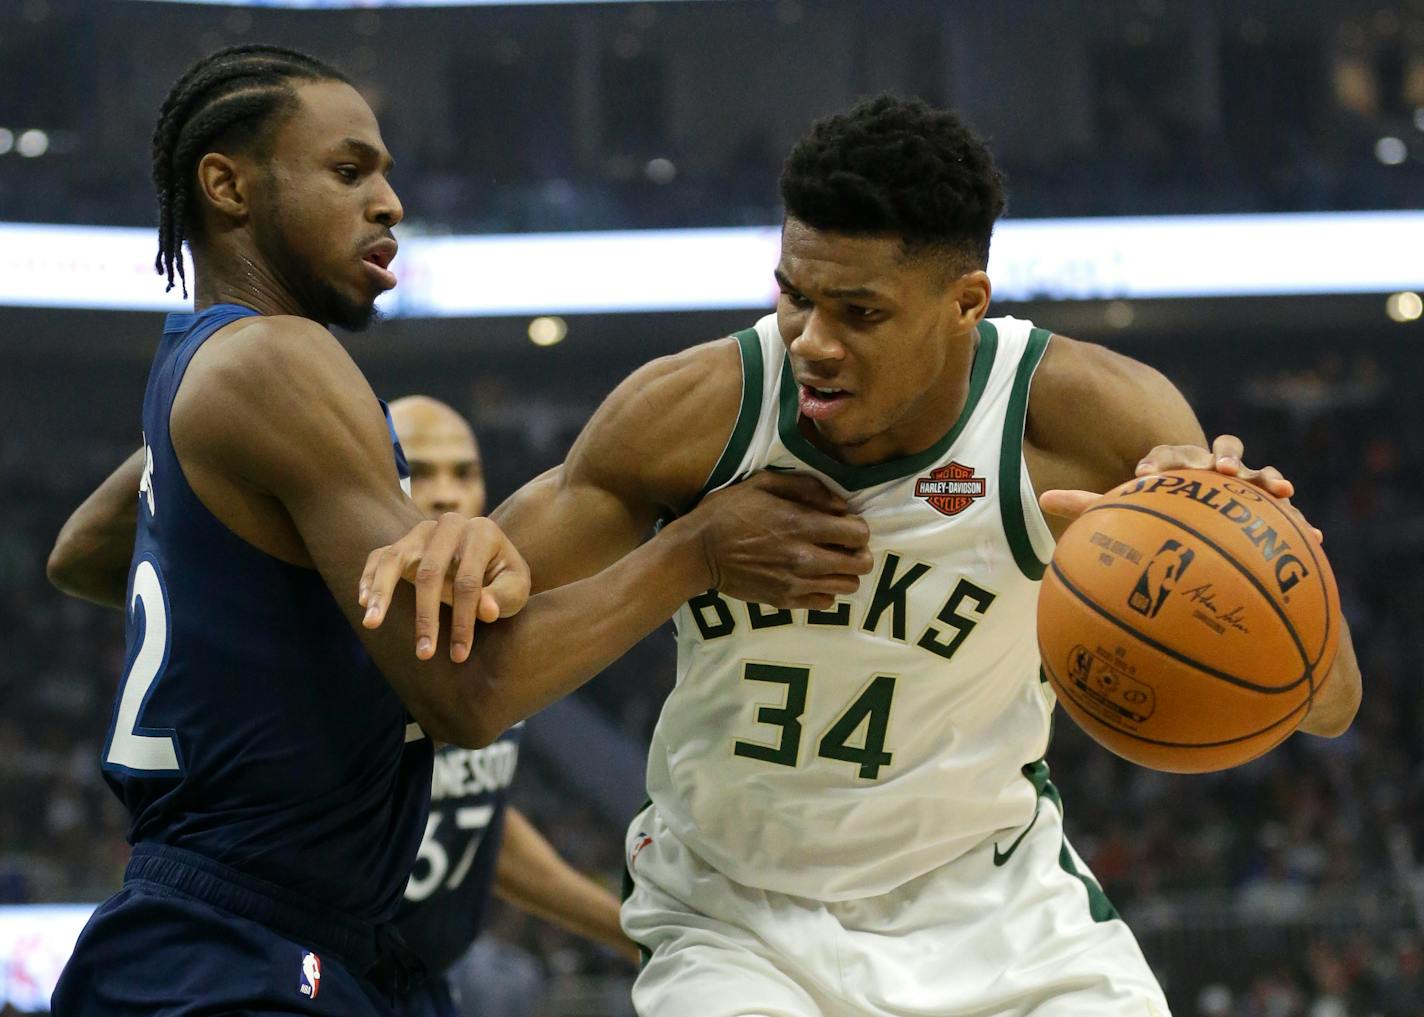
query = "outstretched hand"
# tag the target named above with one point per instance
(466, 563)
(1224, 457)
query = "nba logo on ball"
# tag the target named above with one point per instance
(1159, 578)
(311, 974)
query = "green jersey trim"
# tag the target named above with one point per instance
(1011, 455)
(745, 428)
(1036, 773)
(857, 478)
(1099, 906)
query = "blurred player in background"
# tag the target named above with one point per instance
(270, 746)
(474, 839)
(851, 813)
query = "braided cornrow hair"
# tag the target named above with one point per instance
(231, 94)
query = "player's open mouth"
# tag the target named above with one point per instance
(821, 403)
(377, 259)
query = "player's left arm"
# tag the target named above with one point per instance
(1097, 419)
(533, 877)
(92, 554)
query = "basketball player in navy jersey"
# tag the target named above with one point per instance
(474, 840)
(272, 750)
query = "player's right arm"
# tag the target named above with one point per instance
(645, 455)
(278, 413)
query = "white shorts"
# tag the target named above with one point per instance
(971, 939)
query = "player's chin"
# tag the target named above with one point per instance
(844, 430)
(355, 315)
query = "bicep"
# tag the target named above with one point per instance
(644, 455)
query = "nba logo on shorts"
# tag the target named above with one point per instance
(311, 974)
(642, 841)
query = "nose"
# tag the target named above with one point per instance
(446, 496)
(817, 341)
(386, 207)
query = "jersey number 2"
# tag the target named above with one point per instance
(127, 748)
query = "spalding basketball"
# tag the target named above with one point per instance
(1186, 620)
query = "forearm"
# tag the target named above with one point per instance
(564, 637)
(533, 877)
(1338, 698)
(92, 553)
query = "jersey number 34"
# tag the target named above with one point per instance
(870, 709)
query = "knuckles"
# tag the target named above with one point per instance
(467, 583)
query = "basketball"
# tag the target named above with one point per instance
(1187, 620)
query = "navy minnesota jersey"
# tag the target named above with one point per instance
(450, 884)
(251, 726)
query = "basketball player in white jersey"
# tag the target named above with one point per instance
(851, 814)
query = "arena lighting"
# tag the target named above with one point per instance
(1404, 307)
(367, 4)
(7, 140)
(730, 269)
(1119, 314)
(660, 171)
(548, 330)
(32, 143)
(1391, 151)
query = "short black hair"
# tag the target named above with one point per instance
(896, 166)
(233, 96)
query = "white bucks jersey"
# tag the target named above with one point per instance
(840, 753)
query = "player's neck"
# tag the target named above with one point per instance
(241, 279)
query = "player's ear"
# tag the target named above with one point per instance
(971, 297)
(223, 185)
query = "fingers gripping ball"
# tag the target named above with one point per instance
(1186, 621)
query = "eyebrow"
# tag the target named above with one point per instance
(843, 293)
(371, 152)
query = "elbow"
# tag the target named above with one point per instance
(1332, 715)
(478, 719)
(469, 733)
(60, 567)
(460, 729)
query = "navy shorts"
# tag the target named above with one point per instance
(187, 937)
(428, 998)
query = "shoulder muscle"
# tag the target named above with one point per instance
(279, 404)
(1093, 414)
(657, 437)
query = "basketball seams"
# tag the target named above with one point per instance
(1229, 557)
(1181, 658)
(1320, 573)
(1088, 715)
(1325, 587)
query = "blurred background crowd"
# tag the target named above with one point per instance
(1292, 886)
(596, 116)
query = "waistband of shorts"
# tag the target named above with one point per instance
(359, 942)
